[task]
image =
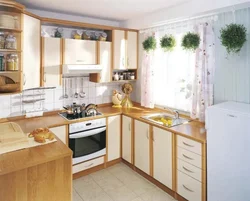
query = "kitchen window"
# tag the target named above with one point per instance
(173, 73)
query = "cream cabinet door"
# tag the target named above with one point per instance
(162, 153)
(51, 61)
(60, 132)
(105, 60)
(142, 146)
(126, 138)
(119, 49)
(132, 50)
(31, 52)
(114, 137)
(80, 52)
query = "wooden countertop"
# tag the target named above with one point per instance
(25, 158)
(194, 130)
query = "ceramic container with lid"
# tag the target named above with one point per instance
(10, 42)
(12, 62)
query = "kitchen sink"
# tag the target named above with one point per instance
(165, 119)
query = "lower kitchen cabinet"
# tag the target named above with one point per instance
(127, 138)
(114, 138)
(162, 156)
(142, 140)
(60, 132)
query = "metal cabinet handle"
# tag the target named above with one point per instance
(129, 126)
(148, 134)
(187, 157)
(188, 144)
(80, 61)
(153, 137)
(128, 61)
(187, 169)
(90, 165)
(24, 79)
(123, 60)
(44, 77)
(187, 188)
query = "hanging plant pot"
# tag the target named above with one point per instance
(233, 37)
(190, 41)
(149, 44)
(168, 43)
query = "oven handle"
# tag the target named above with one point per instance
(87, 133)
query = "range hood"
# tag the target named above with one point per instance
(80, 69)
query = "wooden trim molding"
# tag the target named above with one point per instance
(151, 150)
(174, 162)
(132, 141)
(204, 172)
(52, 21)
(62, 59)
(42, 63)
(31, 14)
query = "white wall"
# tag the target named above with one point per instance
(184, 10)
(75, 18)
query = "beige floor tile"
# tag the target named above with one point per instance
(156, 195)
(122, 194)
(140, 186)
(126, 177)
(88, 190)
(99, 175)
(137, 199)
(84, 181)
(76, 197)
(102, 197)
(109, 183)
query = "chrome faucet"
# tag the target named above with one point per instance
(175, 112)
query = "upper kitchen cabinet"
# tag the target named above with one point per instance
(104, 56)
(31, 52)
(80, 51)
(132, 49)
(125, 50)
(51, 61)
(119, 50)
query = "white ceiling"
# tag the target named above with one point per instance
(106, 9)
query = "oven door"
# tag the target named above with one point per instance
(88, 144)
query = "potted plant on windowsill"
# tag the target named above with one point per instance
(168, 43)
(149, 44)
(191, 41)
(233, 37)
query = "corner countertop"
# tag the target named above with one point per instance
(194, 130)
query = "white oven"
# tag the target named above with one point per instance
(87, 139)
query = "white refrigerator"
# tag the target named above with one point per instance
(228, 152)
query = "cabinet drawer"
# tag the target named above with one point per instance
(89, 164)
(188, 144)
(189, 157)
(188, 187)
(189, 169)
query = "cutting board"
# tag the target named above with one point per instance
(11, 134)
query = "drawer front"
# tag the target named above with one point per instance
(190, 170)
(89, 164)
(189, 157)
(188, 144)
(188, 187)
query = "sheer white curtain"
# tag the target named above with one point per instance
(147, 77)
(202, 92)
(174, 72)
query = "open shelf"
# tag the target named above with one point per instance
(6, 72)
(10, 30)
(9, 50)
(118, 81)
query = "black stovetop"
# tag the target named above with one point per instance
(77, 116)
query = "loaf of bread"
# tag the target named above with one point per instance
(41, 134)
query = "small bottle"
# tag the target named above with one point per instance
(1, 62)
(116, 77)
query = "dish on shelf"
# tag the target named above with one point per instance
(7, 85)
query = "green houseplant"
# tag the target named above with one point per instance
(233, 37)
(149, 44)
(168, 43)
(190, 41)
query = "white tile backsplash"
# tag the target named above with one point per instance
(97, 93)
